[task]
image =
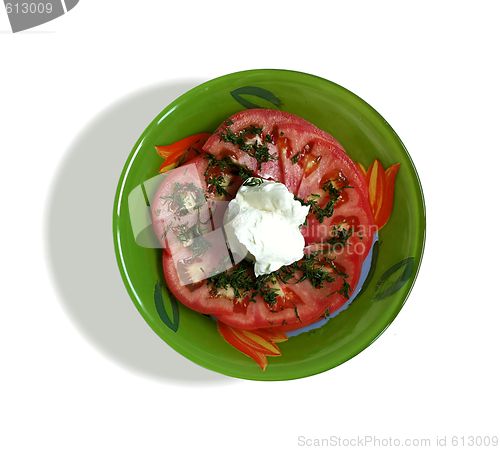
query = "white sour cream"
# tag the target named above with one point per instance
(263, 222)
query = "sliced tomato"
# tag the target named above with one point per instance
(306, 303)
(243, 312)
(301, 305)
(249, 117)
(260, 156)
(295, 146)
(249, 312)
(339, 229)
(340, 212)
(196, 296)
(324, 301)
(179, 208)
(242, 126)
(199, 183)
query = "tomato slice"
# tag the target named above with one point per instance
(324, 301)
(305, 303)
(179, 208)
(251, 139)
(340, 213)
(198, 296)
(192, 199)
(338, 232)
(295, 145)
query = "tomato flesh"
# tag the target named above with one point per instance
(338, 231)
(338, 180)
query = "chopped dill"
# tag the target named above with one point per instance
(249, 140)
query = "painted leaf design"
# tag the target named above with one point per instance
(394, 278)
(172, 323)
(241, 94)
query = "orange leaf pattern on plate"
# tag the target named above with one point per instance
(381, 184)
(181, 151)
(256, 344)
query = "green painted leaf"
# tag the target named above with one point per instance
(255, 92)
(394, 278)
(173, 323)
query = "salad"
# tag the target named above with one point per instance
(267, 226)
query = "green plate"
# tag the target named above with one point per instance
(365, 135)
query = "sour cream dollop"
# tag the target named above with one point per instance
(263, 222)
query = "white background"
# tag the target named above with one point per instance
(82, 370)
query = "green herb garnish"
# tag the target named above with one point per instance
(226, 165)
(314, 271)
(219, 184)
(253, 181)
(344, 290)
(270, 296)
(184, 198)
(192, 237)
(244, 173)
(295, 158)
(311, 268)
(320, 213)
(256, 149)
(244, 283)
(340, 234)
(334, 193)
(240, 278)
